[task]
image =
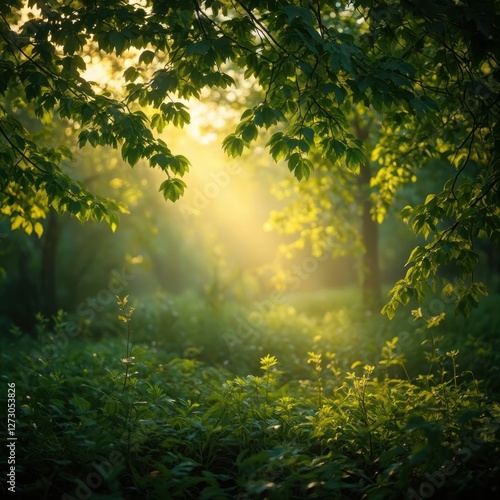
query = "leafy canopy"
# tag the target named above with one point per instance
(428, 71)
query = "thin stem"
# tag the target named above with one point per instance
(127, 359)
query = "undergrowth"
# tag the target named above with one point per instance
(320, 414)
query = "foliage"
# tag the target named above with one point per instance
(426, 72)
(130, 419)
(323, 213)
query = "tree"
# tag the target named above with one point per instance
(428, 70)
(333, 213)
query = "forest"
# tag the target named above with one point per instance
(249, 249)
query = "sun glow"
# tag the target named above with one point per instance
(223, 201)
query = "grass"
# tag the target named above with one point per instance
(339, 405)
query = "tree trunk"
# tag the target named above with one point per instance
(370, 270)
(48, 265)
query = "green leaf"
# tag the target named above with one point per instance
(265, 116)
(176, 113)
(87, 113)
(81, 403)
(158, 122)
(131, 74)
(308, 133)
(118, 41)
(302, 13)
(146, 57)
(249, 133)
(406, 212)
(198, 48)
(173, 189)
(131, 152)
(233, 145)
(301, 167)
(161, 160)
(335, 148)
(293, 161)
(354, 158)
(277, 146)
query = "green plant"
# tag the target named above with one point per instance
(125, 316)
(359, 389)
(266, 363)
(348, 429)
(315, 359)
(392, 358)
